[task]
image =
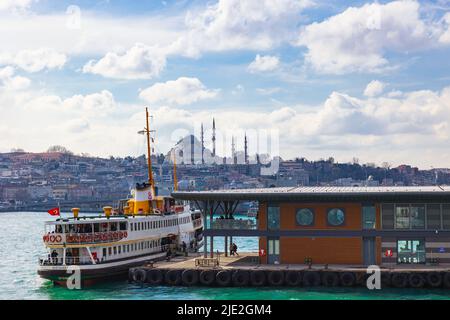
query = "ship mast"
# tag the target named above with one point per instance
(149, 156)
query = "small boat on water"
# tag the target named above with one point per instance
(144, 228)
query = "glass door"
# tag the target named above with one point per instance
(273, 252)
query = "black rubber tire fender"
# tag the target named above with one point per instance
(223, 278)
(139, 275)
(275, 278)
(293, 278)
(155, 277)
(311, 279)
(446, 280)
(416, 280)
(399, 279)
(240, 278)
(189, 277)
(347, 279)
(257, 278)
(330, 279)
(207, 277)
(434, 279)
(173, 277)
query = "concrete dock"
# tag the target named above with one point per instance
(245, 270)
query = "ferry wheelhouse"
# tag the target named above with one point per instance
(144, 228)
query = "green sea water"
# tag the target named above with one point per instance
(21, 245)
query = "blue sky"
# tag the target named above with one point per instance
(355, 79)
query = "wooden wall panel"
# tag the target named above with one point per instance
(352, 215)
(321, 250)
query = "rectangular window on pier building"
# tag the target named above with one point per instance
(273, 217)
(369, 217)
(387, 216)
(446, 216)
(434, 216)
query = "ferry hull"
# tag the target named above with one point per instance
(90, 275)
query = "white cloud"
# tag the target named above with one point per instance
(35, 60)
(268, 91)
(14, 4)
(184, 90)
(8, 81)
(445, 36)
(264, 64)
(139, 62)
(357, 39)
(235, 24)
(342, 126)
(374, 88)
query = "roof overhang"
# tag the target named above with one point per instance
(323, 194)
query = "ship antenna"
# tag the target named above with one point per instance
(149, 156)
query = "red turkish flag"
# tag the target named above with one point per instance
(54, 212)
(262, 252)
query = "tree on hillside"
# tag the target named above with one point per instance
(59, 149)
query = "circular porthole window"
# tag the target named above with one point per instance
(304, 217)
(336, 217)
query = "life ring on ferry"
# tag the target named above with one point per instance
(416, 280)
(125, 234)
(155, 277)
(446, 280)
(240, 278)
(275, 278)
(139, 275)
(257, 278)
(434, 279)
(189, 277)
(348, 279)
(104, 237)
(223, 278)
(207, 277)
(399, 279)
(173, 277)
(293, 278)
(311, 279)
(52, 238)
(330, 279)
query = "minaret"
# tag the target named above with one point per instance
(214, 139)
(245, 149)
(203, 145)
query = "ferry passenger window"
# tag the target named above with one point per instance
(304, 217)
(128, 248)
(131, 226)
(104, 252)
(113, 227)
(96, 227)
(120, 249)
(115, 250)
(336, 217)
(123, 226)
(109, 251)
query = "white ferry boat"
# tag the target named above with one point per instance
(145, 228)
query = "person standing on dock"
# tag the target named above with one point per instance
(231, 249)
(235, 248)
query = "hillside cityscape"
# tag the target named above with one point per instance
(37, 180)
